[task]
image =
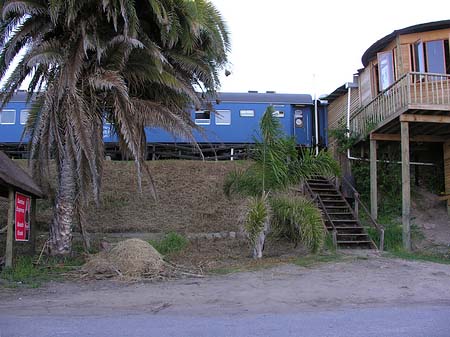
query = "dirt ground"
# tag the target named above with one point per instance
(430, 215)
(356, 281)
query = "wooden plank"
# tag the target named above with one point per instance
(441, 34)
(425, 118)
(430, 107)
(406, 188)
(373, 180)
(10, 230)
(397, 137)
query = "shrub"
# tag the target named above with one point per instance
(299, 220)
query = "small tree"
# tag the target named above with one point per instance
(277, 166)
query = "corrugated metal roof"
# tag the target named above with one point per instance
(246, 97)
(382, 43)
(12, 175)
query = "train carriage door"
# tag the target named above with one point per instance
(301, 126)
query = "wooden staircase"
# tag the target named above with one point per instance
(338, 215)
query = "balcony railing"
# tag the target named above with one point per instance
(412, 90)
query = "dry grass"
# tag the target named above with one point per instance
(190, 199)
(132, 258)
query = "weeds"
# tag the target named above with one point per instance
(171, 243)
(25, 273)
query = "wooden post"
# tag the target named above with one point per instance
(406, 188)
(447, 172)
(373, 179)
(33, 228)
(10, 230)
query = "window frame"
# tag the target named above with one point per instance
(1, 116)
(391, 67)
(279, 113)
(20, 116)
(202, 121)
(247, 115)
(219, 114)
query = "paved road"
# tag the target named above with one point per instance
(409, 321)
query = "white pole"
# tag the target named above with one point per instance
(316, 116)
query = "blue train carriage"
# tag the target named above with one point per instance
(232, 121)
(13, 118)
(228, 131)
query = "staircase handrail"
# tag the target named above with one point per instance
(358, 202)
(316, 197)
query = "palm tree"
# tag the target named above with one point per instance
(134, 64)
(278, 166)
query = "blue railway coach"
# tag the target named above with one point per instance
(230, 124)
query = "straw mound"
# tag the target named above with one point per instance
(129, 258)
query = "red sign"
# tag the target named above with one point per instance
(22, 224)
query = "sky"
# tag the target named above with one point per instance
(311, 47)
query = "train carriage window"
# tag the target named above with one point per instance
(203, 117)
(24, 116)
(278, 113)
(247, 113)
(8, 116)
(223, 117)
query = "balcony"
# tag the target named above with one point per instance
(418, 94)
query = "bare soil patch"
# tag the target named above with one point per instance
(353, 282)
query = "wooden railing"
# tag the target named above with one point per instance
(359, 204)
(412, 89)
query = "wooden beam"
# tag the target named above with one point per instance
(424, 118)
(419, 138)
(10, 230)
(373, 180)
(406, 187)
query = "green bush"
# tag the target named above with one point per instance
(257, 217)
(298, 220)
(392, 236)
(171, 243)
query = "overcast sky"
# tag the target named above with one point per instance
(295, 46)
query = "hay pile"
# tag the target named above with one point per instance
(132, 258)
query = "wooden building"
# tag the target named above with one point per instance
(13, 180)
(402, 95)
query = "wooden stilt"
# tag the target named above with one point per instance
(33, 228)
(373, 179)
(10, 230)
(447, 172)
(406, 187)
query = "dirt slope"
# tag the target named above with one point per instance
(190, 199)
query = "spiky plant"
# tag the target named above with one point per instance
(298, 220)
(257, 222)
(277, 166)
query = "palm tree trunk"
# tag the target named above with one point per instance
(64, 211)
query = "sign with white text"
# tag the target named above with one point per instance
(22, 217)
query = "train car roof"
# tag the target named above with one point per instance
(252, 97)
(20, 96)
(238, 97)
